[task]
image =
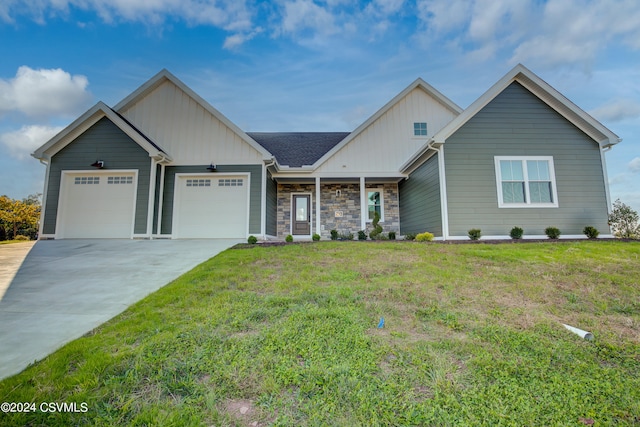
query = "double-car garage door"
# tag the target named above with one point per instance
(102, 205)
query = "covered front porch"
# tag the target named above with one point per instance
(316, 205)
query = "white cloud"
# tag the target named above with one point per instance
(442, 17)
(24, 141)
(230, 15)
(549, 33)
(634, 165)
(42, 93)
(235, 40)
(385, 7)
(575, 31)
(617, 110)
(301, 15)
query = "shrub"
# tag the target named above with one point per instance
(424, 237)
(21, 237)
(475, 233)
(552, 232)
(315, 237)
(591, 232)
(516, 233)
(392, 235)
(362, 235)
(377, 228)
(289, 238)
(410, 236)
(345, 236)
(252, 240)
(334, 234)
(624, 221)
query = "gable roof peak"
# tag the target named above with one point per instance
(165, 75)
(546, 93)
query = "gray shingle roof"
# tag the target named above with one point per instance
(296, 149)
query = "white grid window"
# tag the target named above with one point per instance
(120, 180)
(375, 203)
(87, 180)
(526, 182)
(230, 182)
(420, 129)
(198, 183)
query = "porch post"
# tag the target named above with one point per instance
(152, 198)
(318, 218)
(363, 204)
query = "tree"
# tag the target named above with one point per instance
(624, 221)
(19, 214)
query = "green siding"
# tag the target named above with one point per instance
(517, 123)
(420, 200)
(272, 206)
(255, 198)
(102, 141)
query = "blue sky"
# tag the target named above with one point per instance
(309, 65)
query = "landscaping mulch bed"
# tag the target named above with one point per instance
(437, 242)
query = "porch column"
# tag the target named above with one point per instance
(152, 198)
(318, 218)
(363, 204)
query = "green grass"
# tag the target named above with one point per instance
(9, 242)
(287, 336)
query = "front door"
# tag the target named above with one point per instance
(301, 215)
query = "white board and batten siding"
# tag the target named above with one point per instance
(389, 141)
(183, 127)
(97, 204)
(211, 206)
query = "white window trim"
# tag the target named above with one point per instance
(426, 125)
(381, 191)
(523, 159)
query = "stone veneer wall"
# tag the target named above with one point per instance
(284, 206)
(348, 201)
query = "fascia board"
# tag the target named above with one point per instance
(476, 106)
(539, 87)
(84, 122)
(165, 75)
(143, 90)
(607, 136)
(135, 135)
(329, 175)
(417, 83)
(87, 119)
(419, 153)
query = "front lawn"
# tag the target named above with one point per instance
(288, 335)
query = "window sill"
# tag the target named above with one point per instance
(527, 205)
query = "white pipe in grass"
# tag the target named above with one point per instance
(583, 334)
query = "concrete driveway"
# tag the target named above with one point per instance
(65, 288)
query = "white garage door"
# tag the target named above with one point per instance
(96, 205)
(211, 206)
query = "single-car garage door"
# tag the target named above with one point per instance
(211, 206)
(96, 205)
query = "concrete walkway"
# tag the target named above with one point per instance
(11, 257)
(66, 288)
